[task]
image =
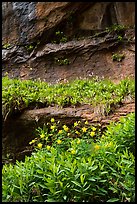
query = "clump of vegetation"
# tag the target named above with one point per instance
(116, 27)
(60, 37)
(120, 38)
(76, 169)
(118, 57)
(119, 29)
(17, 94)
(29, 47)
(62, 61)
(6, 46)
(55, 133)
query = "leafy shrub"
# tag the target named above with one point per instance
(116, 27)
(62, 61)
(118, 57)
(55, 133)
(6, 46)
(67, 177)
(123, 133)
(17, 94)
(83, 172)
(59, 37)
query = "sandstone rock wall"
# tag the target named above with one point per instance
(29, 39)
(23, 21)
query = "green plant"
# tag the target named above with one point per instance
(29, 47)
(118, 57)
(120, 38)
(17, 94)
(59, 37)
(84, 172)
(62, 61)
(116, 27)
(61, 136)
(6, 46)
(123, 133)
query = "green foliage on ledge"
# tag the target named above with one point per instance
(59, 37)
(17, 94)
(116, 27)
(61, 61)
(6, 46)
(118, 57)
(86, 172)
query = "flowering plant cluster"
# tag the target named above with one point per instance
(79, 170)
(62, 137)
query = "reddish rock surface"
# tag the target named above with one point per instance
(36, 23)
(31, 19)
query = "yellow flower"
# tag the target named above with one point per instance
(84, 129)
(97, 147)
(68, 134)
(52, 120)
(60, 131)
(42, 135)
(48, 147)
(59, 141)
(77, 132)
(73, 151)
(40, 145)
(75, 124)
(86, 123)
(78, 142)
(109, 144)
(103, 136)
(65, 128)
(33, 141)
(6, 73)
(94, 129)
(52, 127)
(92, 134)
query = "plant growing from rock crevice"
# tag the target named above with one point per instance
(118, 57)
(59, 37)
(62, 61)
(116, 27)
(6, 46)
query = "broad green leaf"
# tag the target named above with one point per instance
(104, 172)
(74, 189)
(42, 185)
(76, 183)
(92, 179)
(82, 177)
(93, 168)
(38, 176)
(113, 200)
(87, 188)
(103, 180)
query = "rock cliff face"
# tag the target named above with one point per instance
(25, 21)
(54, 40)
